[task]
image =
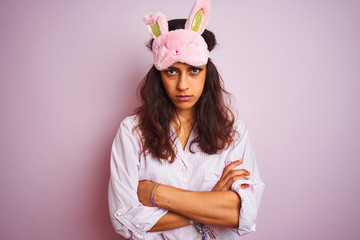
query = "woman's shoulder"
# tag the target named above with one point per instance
(128, 124)
(130, 121)
(239, 125)
(128, 128)
(240, 130)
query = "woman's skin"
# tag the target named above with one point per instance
(184, 85)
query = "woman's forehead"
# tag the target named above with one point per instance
(180, 65)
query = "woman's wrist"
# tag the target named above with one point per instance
(152, 195)
(224, 205)
(167, 196)
(156, 195)
(161, 194)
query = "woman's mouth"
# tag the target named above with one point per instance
(183, 98)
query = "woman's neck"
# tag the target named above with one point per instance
(183, 118)
(183, 123)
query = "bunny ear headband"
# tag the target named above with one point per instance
(181, 45)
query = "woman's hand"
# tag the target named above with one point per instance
(229, 176)
(144, 192)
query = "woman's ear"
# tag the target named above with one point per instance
(199, 16)
(157, 24)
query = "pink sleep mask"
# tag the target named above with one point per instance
(181, 45)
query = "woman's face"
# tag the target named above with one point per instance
(184, 84)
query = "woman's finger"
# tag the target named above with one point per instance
(229, 167)
(230, 175)
(229, 183)
(236, 172)
(244, 186)
(225, 184)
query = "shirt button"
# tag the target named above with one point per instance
(118, 214)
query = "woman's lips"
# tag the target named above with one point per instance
(183, 98)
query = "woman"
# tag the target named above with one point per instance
(183, 159)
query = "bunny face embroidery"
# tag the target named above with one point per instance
(181, 45)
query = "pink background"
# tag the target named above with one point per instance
(69, 72)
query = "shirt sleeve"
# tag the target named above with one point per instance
(129, 217)
(251, 196)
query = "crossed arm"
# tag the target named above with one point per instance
(219, 207)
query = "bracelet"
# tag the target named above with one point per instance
(203, 230)
(152, 195)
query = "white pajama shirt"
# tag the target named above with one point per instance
(197, 171)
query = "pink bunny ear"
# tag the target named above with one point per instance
(157, 24)
(199, 16)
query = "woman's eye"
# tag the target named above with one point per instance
(170, 72)
(195, 70)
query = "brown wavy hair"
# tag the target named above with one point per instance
(213, 120)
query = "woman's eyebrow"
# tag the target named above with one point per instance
(172, 68)
(177, 69)
(192, 67)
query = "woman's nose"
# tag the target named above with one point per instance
(182, 82)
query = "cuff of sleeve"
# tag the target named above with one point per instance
(139, 220)
(250, 201)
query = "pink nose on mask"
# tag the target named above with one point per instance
(177, 53)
